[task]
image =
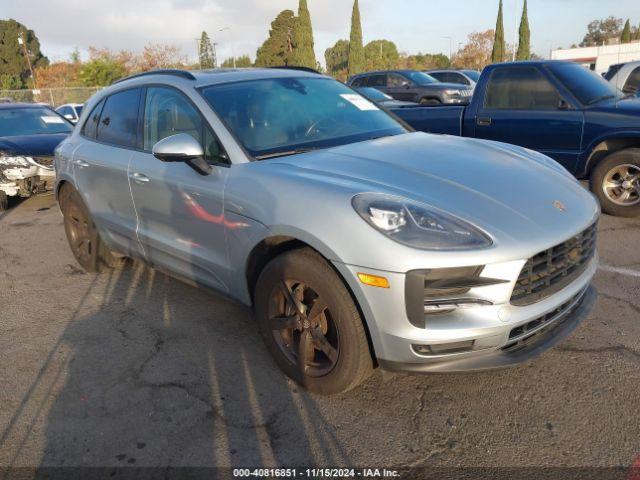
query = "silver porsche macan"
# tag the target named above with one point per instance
(357, 242)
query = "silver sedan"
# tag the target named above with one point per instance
(357, 242)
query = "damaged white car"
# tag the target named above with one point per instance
(29, 134)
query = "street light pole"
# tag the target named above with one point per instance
(26, 55)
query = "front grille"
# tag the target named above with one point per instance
(524, 335)
(552, 270)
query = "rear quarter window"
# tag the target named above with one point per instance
(90, 126)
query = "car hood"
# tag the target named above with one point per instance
(511, 192)
(39, 145)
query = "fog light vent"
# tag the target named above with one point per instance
(444, 348)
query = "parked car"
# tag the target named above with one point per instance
(459, 77)
(382, 99)
(561, 110)
(71, 111)
(413, 86)
(29, 134)
(625, 77)
(357, 242)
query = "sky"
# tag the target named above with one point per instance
(240, 26)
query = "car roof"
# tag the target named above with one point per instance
(203, 78)
(13, 105)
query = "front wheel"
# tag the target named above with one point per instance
(616, 183)
(4, 201)
(310, 323)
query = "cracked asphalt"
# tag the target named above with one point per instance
(134, 368)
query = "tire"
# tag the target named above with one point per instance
(620, 168)
(329, 369)
(82, 234)
(430, 102)
(4, 201)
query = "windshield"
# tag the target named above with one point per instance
(420, 78)
(587, 86)
(79, 109)
(374, 94)
(472, 74)
(31, 121)
(281, 116)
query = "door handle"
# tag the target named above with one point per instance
(81, 163)
(484, 121)
(139, 178)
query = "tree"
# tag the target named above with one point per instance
(156, 56)
(356, 48)
(524, 40)
(600, 31)
(637, 35)
(13, 63)
(104, 67)
(421, 61)
(499, 47)
(277, 50)
(305, 55)
(476, 54)
(381, 55)
(238, 62)
(206, 55)
(337, 59)
(60, 74)
(625, 37)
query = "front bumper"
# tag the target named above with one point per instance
(492, 329)
(505, 357)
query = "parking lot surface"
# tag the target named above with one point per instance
(134, 368)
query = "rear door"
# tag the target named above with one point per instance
(401, 88)
(523, 107)
(100, 166)
(181, 218)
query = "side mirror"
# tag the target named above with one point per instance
(182, 148)
(563, 105)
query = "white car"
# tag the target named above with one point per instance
(71, 111)
(625, 76)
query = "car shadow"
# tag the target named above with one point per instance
(165, 375)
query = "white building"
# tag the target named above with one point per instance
(600, 58)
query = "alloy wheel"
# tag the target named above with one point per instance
(80, 232)
(621, 185)
(301, 323)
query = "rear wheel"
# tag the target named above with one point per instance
(4, 201)
(310, 324)
(82, 234)
(616, 183)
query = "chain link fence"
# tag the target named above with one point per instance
(53, 97)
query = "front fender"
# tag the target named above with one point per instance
(588, 159)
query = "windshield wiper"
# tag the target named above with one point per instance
(285, 153)
(601, 99)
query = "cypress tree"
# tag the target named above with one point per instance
(305, 55)
(637, 37)
(356, 47)
(626, 33)
(205, 52)
(499, 47)
(524, 41)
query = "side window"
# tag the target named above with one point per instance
(394, 80)
(457, 78)
(167, 112)
(520, 88)
(359, 82)
(90, 127)
(633, 82)
(64, 111)
(378, 81)
(119, 120)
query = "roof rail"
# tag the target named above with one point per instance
(175, 72)
(302, 69)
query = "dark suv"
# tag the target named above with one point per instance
(413, 86)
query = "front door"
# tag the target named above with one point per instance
(524, 108)
(180, 212)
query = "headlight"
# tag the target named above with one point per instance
(418, 225)
(452, 92)
(8, 161)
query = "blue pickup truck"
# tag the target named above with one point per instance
(559, 109)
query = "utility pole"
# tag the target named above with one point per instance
(450, 46)
(26, 55)
(215, 54)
